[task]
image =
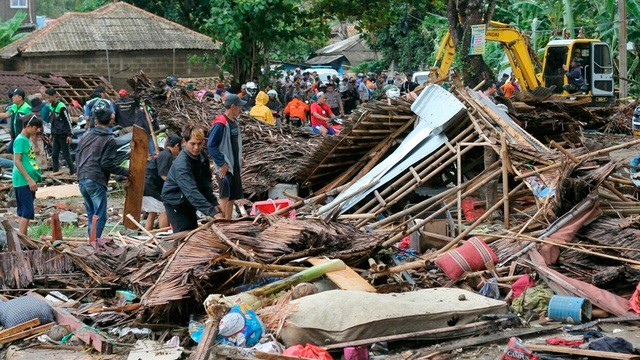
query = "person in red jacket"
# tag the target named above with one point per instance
(321, 115)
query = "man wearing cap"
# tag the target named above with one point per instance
(98, 99)
(16, 114)
(157, 170)
(125, 108)
(57, 115)
(225, 147)
(96, 159)
(321, 114)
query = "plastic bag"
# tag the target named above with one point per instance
(308, 351)
(240, 327)
(516, 350)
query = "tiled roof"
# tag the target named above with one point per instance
(116, 26)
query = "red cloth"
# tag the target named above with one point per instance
(471, 256)
(308, 351)
(323, 110)
(564, 342)
(634, 302)
(471, 214)
(522, 284)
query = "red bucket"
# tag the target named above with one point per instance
(271, 206)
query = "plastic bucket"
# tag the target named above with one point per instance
(569, 309)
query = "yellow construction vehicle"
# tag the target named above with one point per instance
(594, 54)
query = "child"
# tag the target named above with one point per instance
(26, 171)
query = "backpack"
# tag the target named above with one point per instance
(98, 104)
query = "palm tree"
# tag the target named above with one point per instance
(9, 29)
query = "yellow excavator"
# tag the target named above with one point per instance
(594, 54)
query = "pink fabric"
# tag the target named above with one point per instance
(634, 303)
(567, 232)
(603, 299)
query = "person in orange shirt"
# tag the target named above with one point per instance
(296, 111)
(508, 89)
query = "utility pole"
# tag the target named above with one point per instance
(622, 47)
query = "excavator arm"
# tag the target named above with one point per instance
(516, 48)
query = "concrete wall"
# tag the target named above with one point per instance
(157, 64)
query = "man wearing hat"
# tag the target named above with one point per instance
(125, 108)
(157, 171)
(16, 114)
(225, 147)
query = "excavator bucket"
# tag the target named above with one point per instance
(540, 93)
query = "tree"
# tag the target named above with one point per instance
(250, 30)
(9, 29)
(462, 14)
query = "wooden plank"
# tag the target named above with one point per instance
(23, 334)
(58, 192)
(346, 279)
(13, 242)
(581, 352)
(137, 171)
(88, 335)
(203, 351)
(20, 327)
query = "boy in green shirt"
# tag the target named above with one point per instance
(26, 171)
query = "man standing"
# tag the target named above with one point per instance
(350, 98)
(188, 187)
(26, 172)
(334, 100)
(363, 92)
(96, 162)
(409, 85)
(157, 172)
(225, 147)
(125, 108)
(58, 116)
(17, 112)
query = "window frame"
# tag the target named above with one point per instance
(13, 5)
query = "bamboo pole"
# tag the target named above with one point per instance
(310, 200)
(216, 230)
(144, 230)
(581, 157)
(458, 185)
(271, 267)
(505, 178)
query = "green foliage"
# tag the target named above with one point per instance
(250, 30)
(57, 8)
(370, 66)
(8, 29)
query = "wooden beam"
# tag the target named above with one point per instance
(581, 352)
(137, 171)
(16, 329)
(23, 334)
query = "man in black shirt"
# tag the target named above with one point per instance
(189, 186)
(157, 170)
(350, 97)
(125, 108)
(408, 85)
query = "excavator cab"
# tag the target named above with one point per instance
(597, 70)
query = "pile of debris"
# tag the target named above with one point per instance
(440, 201)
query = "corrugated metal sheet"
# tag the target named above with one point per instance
(319, 60)
(117, 26)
